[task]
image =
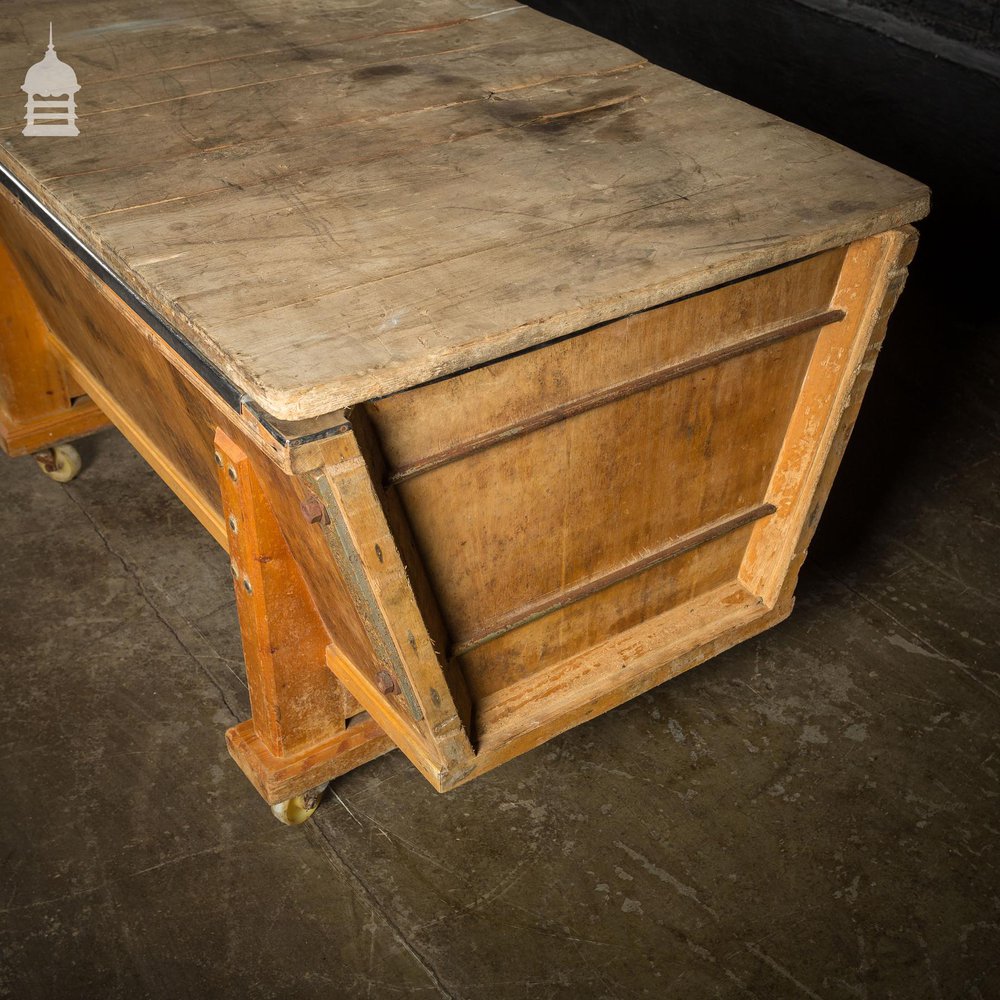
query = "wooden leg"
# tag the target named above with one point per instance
(306, 729)
(40, 404)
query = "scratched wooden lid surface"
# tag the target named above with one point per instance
(333, 201)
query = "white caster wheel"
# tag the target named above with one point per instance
(61, 463)
(298, 809)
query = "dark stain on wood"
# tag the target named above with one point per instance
(625, 129)
(534, 118)
(386, 71)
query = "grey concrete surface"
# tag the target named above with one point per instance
(814, 814)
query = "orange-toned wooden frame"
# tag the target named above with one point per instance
(40, 404)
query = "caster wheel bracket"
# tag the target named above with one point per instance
(299, 808)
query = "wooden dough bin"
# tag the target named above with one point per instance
(497, 437)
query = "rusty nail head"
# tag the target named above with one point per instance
(385, 681)
(314, 511)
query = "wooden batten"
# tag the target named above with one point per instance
(589, 587)
(610, 394)
(819, 415)
(387, 587)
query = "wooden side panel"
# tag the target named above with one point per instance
(442, 416)
(539, 513)
(531, 483)
(872, 277)
(525, 712)
(112, 350)
(39, 402)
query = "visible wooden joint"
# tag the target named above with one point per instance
(381, 710)
(300, 710)
(404, 622)
(20, 436)
(281, 778)
(40, 405)
(871, 278)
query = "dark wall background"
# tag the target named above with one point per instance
(915, 84)
(889, 87)
(976, 21)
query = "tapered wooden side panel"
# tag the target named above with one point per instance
(533, 504)
(534, 484)
(872, 277)
(425, 707)
(39, 403)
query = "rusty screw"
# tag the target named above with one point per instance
(314, 511)
(385, 682)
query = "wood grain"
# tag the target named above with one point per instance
(280, 778)
(296, 703)
(559, 350)
(545, 522)
(337, 202)
(40, 402)
(872, 277)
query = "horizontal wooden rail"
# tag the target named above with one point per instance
(556, 600)
(611, 394)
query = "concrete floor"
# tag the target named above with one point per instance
(813, 814)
